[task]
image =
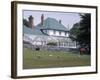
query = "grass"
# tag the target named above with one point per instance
(48, 59)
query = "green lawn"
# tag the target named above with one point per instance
(49, 59)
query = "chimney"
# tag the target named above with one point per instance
(42, 19)
(31, 21)
(60, 21)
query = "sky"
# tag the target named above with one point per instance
(67, 18)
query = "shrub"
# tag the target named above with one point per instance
(52, 43)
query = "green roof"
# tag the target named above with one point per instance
(51, 23)
(35, 31)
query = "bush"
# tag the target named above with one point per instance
(52, 43)
(37, 49)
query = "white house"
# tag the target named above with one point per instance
(47, 31)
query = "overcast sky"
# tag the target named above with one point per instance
(68, 19)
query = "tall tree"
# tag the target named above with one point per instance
(82, 31)
(84, 37)
(74, 31)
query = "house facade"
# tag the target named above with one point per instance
(48, 31)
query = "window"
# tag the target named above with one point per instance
(65, 33)
(59, 32)
(54, 32)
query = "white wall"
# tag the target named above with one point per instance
(5, 41)
(50, 32)
(57, 33)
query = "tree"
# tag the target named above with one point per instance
(85, 27)
(74, 32)
(82, 31)
(25, 22)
